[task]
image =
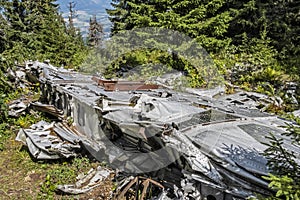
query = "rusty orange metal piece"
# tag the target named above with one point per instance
(110, 85)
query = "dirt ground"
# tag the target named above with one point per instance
(22, 178)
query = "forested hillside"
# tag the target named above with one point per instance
(257, 40)
(33, 30)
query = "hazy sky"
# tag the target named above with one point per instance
(86, 9)
(99, 5)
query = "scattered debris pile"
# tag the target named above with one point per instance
(50, 141)
(186, 144)
(87, 182)
(138, 188)
(18, 107)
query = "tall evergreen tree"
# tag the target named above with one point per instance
(219, 24)
(284, 30)
(3, 26)
(96, 33)
(118, 15)
(215, 23)
(71, 17)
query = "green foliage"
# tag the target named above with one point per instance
(286, 187)
(206, 21)
(254, 66)
(285, 177)
(10, 125)
(4, 126)
(35, 30)
(3, 109)
(152, 48)
(260, 38)
(284, 28)
(293, 132)
(281, 160)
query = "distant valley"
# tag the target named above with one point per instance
(86, 9)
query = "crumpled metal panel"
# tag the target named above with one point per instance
(43, 144)
(297, 113)
(17, 107)
(198, 161)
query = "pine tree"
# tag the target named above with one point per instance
(4, 86)
(118, 15)
(72, 15)
(3, 26)
(16, 35)
(96, 33)
(259, 35)
(216, 23)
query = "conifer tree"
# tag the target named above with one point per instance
(215, 23)
(3, 26)
(16, 33)
(118, 15)
(284, 30)
(96, 33)
(71, 17)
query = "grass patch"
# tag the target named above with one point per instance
(64, 172)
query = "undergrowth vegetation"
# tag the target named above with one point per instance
(285, 177)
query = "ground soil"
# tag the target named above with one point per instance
(22, 178)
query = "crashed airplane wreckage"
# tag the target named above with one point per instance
(193, 144)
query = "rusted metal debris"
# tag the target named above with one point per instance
(137, 188)
(196, 144)
(109, 85)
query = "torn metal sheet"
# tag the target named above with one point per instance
(44, 143)
(203, 144)
(94, 178)
(50, 109)
(197, 160)
(250, 100)
(18, 107)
